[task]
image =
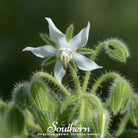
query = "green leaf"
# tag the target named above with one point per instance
(72, 65)
(69, 33)
(48, 40)
(15, 122)
(68, 101)
(129, 134)
(49, 60)
(85, 50)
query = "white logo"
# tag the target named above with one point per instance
(69, 128)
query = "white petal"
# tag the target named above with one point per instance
(80, 40)
(84, 63)
(62, 43)
(59, 72)
(42, 52)
(55, 33)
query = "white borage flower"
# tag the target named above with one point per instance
(65, 51)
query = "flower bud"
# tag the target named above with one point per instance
(3, 107)
(101, 121)
(117, 49)
(120, 93)
(134, 109)
(38, 95)
(15, 122)
(21, 96)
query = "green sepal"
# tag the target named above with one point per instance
(38, 95)
(70, 100)
(85, 50)
(48, 40)
(134, 109)
(72, 65)
(69, 33)
(15, 122)
(100, 121)
(49, 60)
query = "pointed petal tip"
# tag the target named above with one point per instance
(47, 18)
(25, 49)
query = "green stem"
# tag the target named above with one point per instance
(76, 80)
(123, 124)
(103, 78)
(99, 47)
(81, 117)
(25, 133)
(82, 111)
(46, 75)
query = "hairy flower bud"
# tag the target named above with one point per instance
(21, 96)
(134, 109)
(38, 95)
(117, 49)
(120, 93)
(3, 107)
(101, 121)
(15, 122)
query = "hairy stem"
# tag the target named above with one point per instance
(76, 80)
(46, 75)
(82, 111)
(103, 78)
(122, 124)
(99, 47)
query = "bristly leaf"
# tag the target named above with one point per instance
(72, 65)
(48, 40)
(85, 50)
(49, 60)
(69, 33)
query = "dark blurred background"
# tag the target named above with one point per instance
(22, 21)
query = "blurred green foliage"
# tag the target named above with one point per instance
(22, 21)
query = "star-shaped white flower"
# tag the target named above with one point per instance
(65, 51)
